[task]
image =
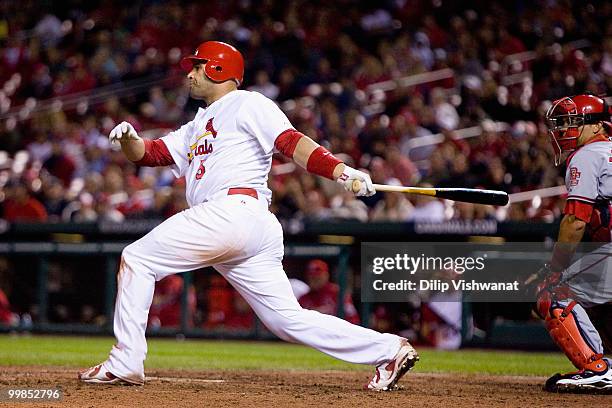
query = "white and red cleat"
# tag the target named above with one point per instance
(388, 374)
(100, 375)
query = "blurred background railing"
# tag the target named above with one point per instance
(64, 279)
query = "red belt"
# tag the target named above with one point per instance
(251, 192)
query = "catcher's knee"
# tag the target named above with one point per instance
(564, 328)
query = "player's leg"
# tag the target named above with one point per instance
(601, 316)
(590, 277)
(572, 330)
(262, 282)
(200, 236)
(570, 326)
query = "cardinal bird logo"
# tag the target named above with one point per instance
(210, 128)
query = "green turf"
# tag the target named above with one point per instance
(206, 355)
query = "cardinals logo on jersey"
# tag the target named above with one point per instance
(574, 176)
(210, 128)
(197, 149)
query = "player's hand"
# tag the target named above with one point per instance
(542, 280)
(545, 285)
(122, 132)
(351, 177)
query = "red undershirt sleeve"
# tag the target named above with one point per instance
(156, 154)
(580, 209)
(287, 141)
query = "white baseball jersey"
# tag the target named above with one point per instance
(589, 173)
(589, 179)
(228, 144)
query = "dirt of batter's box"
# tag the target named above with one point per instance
(292, 389)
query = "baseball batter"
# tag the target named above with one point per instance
(570, 293)
(225, 154)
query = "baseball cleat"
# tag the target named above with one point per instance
(581, 381)
(388, 374)
(100, 375)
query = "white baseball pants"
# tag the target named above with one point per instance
(241, 239)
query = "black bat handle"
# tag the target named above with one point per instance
(468, 195)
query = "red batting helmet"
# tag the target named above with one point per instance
(222, 62)
(567, 115)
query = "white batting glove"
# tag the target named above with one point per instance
(356, 181)
(123, 131)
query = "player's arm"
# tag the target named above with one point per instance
(581, 181)
(572, 229)
(574, 222)
(571, 232)
(141, 151)
(318, 160)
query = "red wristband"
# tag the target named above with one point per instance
(322, 163)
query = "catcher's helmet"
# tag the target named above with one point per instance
(567, 115)
(222, 62)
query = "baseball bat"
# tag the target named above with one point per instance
(468, 195)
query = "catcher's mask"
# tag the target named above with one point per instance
(566, 117)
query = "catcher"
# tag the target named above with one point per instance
(574, 300)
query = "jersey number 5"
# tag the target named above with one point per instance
(201, 170)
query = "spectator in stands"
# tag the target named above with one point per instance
(6, 316)
(20, 206)
(82, 210)
(218, 298)
(446, 115)
(323, 294)
(106, 212)
(53, 198)
(325, 66)
(427, 209)
(241, 316)
(395, 207)
(315, 208)
(382, 319)
(225, 308)
(441, 321)
(61, 293)
(264, 86)
(345, 206)
(59, 164)
(408, 130)
(166, 305)
(401, 167)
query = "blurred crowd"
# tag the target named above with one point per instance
(417, 92)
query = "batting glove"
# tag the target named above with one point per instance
(123, 131)
(364, 182)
